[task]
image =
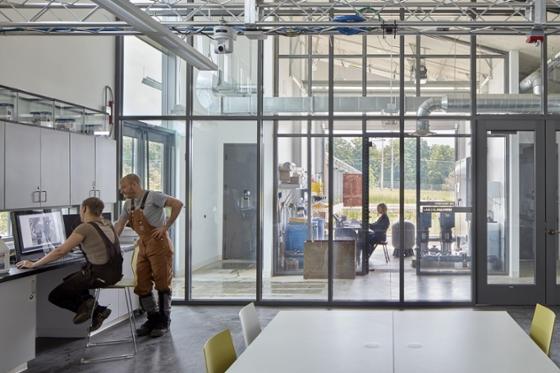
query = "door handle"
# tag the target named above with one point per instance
(552, 232)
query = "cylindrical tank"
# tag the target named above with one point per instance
(409, 237)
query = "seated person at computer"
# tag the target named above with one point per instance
(102, 251)
(378, 230)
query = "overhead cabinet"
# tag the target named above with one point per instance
(51, 168)
(93, 168)
(37, 167)
(2, 132)
(82, 167)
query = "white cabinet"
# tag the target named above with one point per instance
(19, 311)
(82, 167)
(2, 128)
(23, 166)
(55, 168)
(42, 167)
(37, 166)
(106, 169)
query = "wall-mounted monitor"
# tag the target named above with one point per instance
(36, 231)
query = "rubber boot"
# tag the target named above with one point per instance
(161, 327)
(148, 304)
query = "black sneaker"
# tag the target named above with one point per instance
(98, 318)
(146, 328)
(84, 311)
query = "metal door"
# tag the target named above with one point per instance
(240, 201)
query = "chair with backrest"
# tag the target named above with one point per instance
(249, 323)
(542, 327)
(125, 284)
(219, 352)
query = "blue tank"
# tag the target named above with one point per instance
(296, 235)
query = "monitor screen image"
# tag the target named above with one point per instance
(37, 230)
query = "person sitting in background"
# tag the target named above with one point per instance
(102, 251)
(378, 230)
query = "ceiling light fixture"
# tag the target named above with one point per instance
(157, 34)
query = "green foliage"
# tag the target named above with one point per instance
(437, 162)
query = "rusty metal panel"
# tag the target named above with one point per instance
(352, 190)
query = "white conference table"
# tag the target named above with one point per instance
(348, 341)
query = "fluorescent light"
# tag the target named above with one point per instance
(101, 133)
(157, 34)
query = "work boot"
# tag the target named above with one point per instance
(161, 326)
(99, 315)
(148, 326)
(84, 311)
(148, 304)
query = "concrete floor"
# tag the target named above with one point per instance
(181, 350)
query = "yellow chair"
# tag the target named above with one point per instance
(542, 327)
(219, 352)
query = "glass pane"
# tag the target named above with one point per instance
(156, 166)
(511, 207)
(4, 224)
(295, 245)
(553, 78)
(154, 83)
(556, 203)
(130, 155)
(512, 88)
(224, 186)
(438, 215)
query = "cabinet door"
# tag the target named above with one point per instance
(82, 167)
(23, 166)
(55, 168)
(106, 169)
(2, 127)
(18, 322)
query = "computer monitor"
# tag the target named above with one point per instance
(36, 231)
(71, 221)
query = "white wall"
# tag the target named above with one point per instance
(70, 68)
(207, 184)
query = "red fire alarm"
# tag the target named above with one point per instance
(535, 36)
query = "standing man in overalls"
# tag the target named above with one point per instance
(145, 210)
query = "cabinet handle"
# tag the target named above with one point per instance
(36, 200)
(92, 193)
(44, 191)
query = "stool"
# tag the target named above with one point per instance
(125, 285)
(385, 251)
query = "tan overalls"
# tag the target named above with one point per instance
(155, 256)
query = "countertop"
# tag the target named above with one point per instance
(67, 260)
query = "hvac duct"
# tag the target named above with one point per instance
(498, 103)
(533, 81)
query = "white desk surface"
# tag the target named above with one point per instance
(320, 341)
(465, 341)
(430, 341)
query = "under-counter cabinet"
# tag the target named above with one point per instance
(38, 165)
(18, 323)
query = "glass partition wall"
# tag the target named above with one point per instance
(290, 156)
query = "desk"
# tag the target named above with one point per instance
(465, 341)
(27, 313)
(321, 341)
(458, 341)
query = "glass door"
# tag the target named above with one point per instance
(511, 202)
(552, 212)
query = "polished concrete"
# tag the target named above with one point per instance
(181, 350)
